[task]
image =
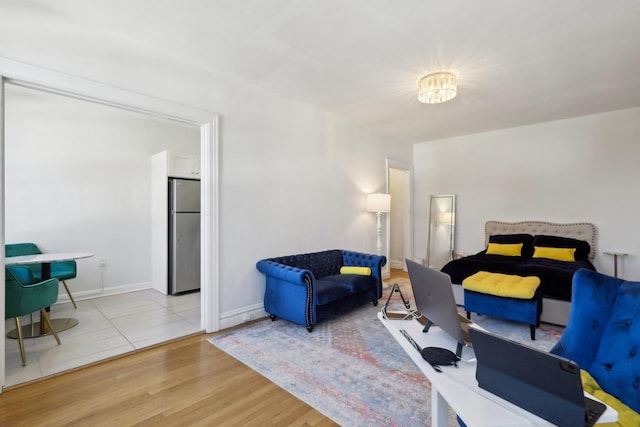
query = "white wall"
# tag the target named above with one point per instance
(581, 169)
(292, 178)
(78, 179)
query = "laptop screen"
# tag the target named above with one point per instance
(434, 299)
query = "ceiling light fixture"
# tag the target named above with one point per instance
(437, 87)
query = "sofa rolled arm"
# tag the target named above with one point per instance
(359, 259)
(289, 292)
(374, 262)
(284, 272)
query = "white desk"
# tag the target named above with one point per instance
(29, 331)
(458, 388)
(46, 260)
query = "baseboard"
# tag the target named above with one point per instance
(63, 297)
(397, 264)
(237, 317)
(227, 319)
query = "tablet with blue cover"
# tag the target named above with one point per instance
(544, 384)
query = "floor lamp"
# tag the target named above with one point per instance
(379, 203)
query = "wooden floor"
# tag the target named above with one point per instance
(188, 382)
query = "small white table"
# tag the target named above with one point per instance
(615, 260)
(29, 331)
(458, 388)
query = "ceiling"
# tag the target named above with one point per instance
(520, 61)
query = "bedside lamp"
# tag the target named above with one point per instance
(379, 203)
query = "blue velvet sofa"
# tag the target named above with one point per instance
(308, 288)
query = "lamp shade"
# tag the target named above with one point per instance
(378, 202)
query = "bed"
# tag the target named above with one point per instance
(555, 275)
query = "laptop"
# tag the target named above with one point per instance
(544, 384)
(434, 299)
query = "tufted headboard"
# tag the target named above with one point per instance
(577, 230)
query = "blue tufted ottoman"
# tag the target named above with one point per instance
(506, 296)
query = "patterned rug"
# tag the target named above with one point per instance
(350, 368)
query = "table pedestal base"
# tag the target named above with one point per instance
(32, 330)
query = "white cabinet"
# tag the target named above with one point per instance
(184, 165)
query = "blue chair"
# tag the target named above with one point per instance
(26, 298)
(603, 335)
(61, 270)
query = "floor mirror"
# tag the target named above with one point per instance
(441, 232)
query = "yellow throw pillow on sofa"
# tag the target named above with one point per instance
(559, 254)
(505, 249)
(348, 269)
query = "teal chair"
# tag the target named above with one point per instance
(22, 298)
(61, 270)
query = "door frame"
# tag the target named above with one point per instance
(408, 168)
(20, 74)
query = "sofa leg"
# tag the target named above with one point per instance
(310, 328)
(532, 329)
(468, 315)
(374, 302)
(272, 317)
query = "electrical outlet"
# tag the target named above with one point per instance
(102, 262)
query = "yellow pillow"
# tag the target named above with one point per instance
(627, 417)
(506, 249)
(363, 271)
(559, 254)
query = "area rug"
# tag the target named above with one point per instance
(350, 368)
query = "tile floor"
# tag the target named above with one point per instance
(108, 326)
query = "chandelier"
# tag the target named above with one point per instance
(437, 87)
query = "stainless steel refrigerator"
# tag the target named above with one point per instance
(184, 235)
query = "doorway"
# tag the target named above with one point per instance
(19, 74)
(88, 189)
(400, 219)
